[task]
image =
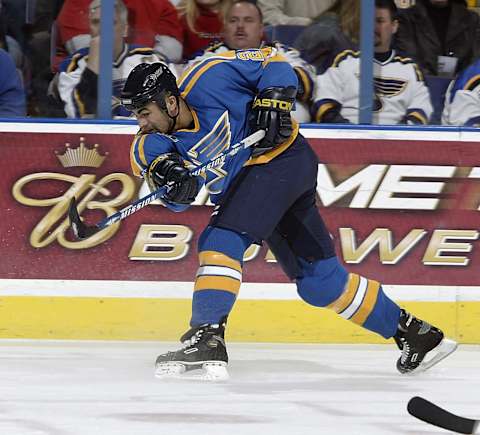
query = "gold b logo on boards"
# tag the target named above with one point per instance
(85, 188)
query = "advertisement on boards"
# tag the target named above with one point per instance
(404, 211)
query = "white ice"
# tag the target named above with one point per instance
(108, 388)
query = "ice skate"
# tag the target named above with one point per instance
(204, 356)
(416, 338)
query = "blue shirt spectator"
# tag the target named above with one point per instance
(12, 94)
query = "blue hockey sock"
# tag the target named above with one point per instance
(326, 283)
(219, 275)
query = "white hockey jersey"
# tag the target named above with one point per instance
(77, 85)
(401, 96)
(462, 100)
(306, 74)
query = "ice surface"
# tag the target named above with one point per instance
(108, 388)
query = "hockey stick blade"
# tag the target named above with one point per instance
(433, 414)
(80, 230)
(83, 231)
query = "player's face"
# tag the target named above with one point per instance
(243, 27)
(151, 119)
(385, 28)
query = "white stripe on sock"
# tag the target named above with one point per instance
(219, 271)
(357, 300)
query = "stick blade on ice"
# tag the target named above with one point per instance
(433, 414)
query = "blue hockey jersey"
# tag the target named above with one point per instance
(219, 92)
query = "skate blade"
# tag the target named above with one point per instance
(208, 371)
(445, 348)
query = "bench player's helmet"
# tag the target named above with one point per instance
(148, 82)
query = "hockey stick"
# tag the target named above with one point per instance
(433, 414)
(83, 231)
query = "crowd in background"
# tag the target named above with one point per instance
(426, 65)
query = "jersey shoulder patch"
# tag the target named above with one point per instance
(258, 55)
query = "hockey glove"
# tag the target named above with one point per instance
(271, 112)
(169, 170)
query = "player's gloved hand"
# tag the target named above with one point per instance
(271, 112)
(169, 170)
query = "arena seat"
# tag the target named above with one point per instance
(437, 87)
(286, 33)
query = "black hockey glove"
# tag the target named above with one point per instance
(271, 112)
(169, 170)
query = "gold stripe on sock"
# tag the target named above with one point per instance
(368, 303)
(348, 294)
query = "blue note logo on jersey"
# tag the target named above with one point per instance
(212, 144)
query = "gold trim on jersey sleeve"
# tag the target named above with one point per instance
(307, 89)
(343, 55)
(419, 116)
(138, 143)
(141, 50)
(324, 108)
(274, 57)
(74, 62)
(472, 83)
(78, 100)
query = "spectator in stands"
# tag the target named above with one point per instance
(152, 23)
(202, 23)
(243, 30)
(12, 94)
(401, 95)
(443, 36)
(335, 30)
(10, 30)
(462, 101)
(293, 12)
(15, 11)
(39, 50)
(77, 81)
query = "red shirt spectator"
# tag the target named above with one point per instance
(202, 23)
(148, 20)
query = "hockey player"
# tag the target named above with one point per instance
(244, 29)
(259, 195)
(462, 99)
(401, 96)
